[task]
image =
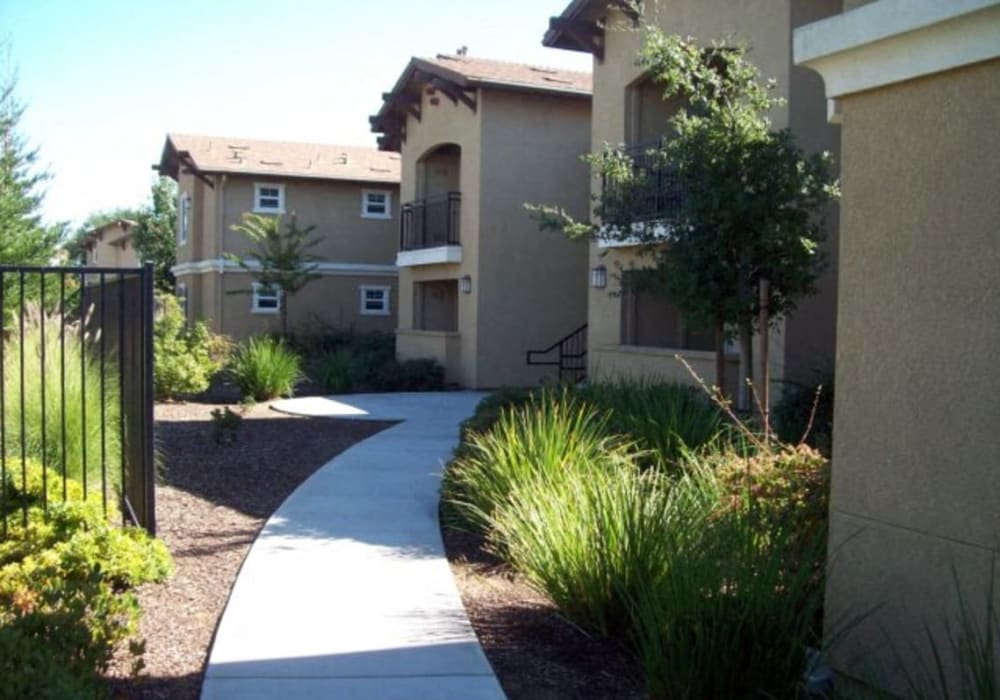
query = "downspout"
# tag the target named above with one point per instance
(220, 211)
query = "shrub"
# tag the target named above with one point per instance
(422, 374)
(488, 410)
(65, 590)
(226, 426)
(186, 357)
(345, 370)
(336, 371)
(78, 388)
(264, 368)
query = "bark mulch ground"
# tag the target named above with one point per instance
(213, 499)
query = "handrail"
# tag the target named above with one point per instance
(572, 360)
(430, 222)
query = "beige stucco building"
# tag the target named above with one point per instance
(111, 245)
(479, 284)
(351, 196)
(638, 334)
(915, 85)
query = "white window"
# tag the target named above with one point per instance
(376, 204)
(374, 301)
(268, 198)
(266, 299)
(185, 225)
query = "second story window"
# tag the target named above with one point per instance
(266, 299)
(185, 222)
(376, 204)
(268, 198)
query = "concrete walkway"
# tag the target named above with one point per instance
(346, 592)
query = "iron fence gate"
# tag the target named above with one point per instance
(76, 390)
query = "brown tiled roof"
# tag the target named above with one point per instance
(217, 154)
(489, 73)
(125, 227)
(461, 76)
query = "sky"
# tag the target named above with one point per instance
(103, 81)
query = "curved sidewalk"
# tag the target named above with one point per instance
(346, 592)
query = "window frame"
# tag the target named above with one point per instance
(257, 208)
(256, 308)
(184, 215)
(366, 213)
(386, 308)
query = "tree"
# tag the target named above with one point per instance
(156, 234)
(280, 257)
(749, 217)
(24, 240)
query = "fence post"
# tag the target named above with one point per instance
(147, 400)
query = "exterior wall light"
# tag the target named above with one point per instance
(599, 277)
(465, 284)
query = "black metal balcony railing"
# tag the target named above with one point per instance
(653, 194)
(431, 222)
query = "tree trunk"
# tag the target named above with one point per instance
(743, 398)
(765, 379)
(284, 315)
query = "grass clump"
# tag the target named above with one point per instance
(265, 368)
(74, 427)
(709, 569)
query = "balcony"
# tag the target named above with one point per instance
(651, 198)
(429, 231)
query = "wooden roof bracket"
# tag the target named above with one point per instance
(185, 159)
(453, 92)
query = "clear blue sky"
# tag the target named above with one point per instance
(103, 81)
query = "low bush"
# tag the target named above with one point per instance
(185, 357)
(70, 380)
(66, 580)
(264, 368)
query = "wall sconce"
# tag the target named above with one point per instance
(599, 277)
(465, 284)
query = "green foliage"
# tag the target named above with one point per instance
(489, 410)
(710, 571)
(186, 357)
(264, 368)
(664, 419)
(156, 233)
(86, 413)
(23, 238)
(66, 581)
(346, 362)
(795, 421)
(226, 426)
(279, 257)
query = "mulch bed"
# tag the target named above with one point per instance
(212, 501)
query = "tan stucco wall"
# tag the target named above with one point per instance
(804, 342)
(528, 288)
(437, 345)
(334, 208)
(916, 472)
(333, 300)
(445, 123)
(532, 286)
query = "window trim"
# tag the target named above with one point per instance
(184, 224)
(256, 308)
(386, 309)
(366, 214)
(258, 209)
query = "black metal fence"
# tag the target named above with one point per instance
(431, 222)
(76, 389)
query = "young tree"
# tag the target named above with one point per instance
(749, 212)
(156, 234)
(279, 258)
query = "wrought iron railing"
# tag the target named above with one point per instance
(569, 354)
(76, 389)
(653, 193)
(431, 222)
